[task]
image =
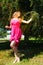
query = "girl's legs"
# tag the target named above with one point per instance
(17, 59)
(12, 45)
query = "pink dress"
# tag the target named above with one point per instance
(16, 31)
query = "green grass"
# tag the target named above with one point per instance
(35, 38)
(7, 59)
(33, 55)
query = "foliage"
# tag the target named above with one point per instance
(7, 7)
(32, 28)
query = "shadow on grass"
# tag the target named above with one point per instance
(26, 47)
(4, 45)
(30, 49)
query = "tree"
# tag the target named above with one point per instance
(7, 7)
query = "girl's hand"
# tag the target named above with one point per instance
(6, 26)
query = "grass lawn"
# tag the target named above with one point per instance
(30, 55)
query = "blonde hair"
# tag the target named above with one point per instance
(15, 13)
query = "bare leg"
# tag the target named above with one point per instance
(17, 59)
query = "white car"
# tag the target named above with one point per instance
(8, 35)
(5, 35)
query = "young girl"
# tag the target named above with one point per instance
(16, 32)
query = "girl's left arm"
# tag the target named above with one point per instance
(27, 22)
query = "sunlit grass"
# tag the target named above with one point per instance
(7, 58)
(35, 38)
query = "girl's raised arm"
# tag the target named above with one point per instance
(27, 22)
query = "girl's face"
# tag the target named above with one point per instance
(17, 15)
